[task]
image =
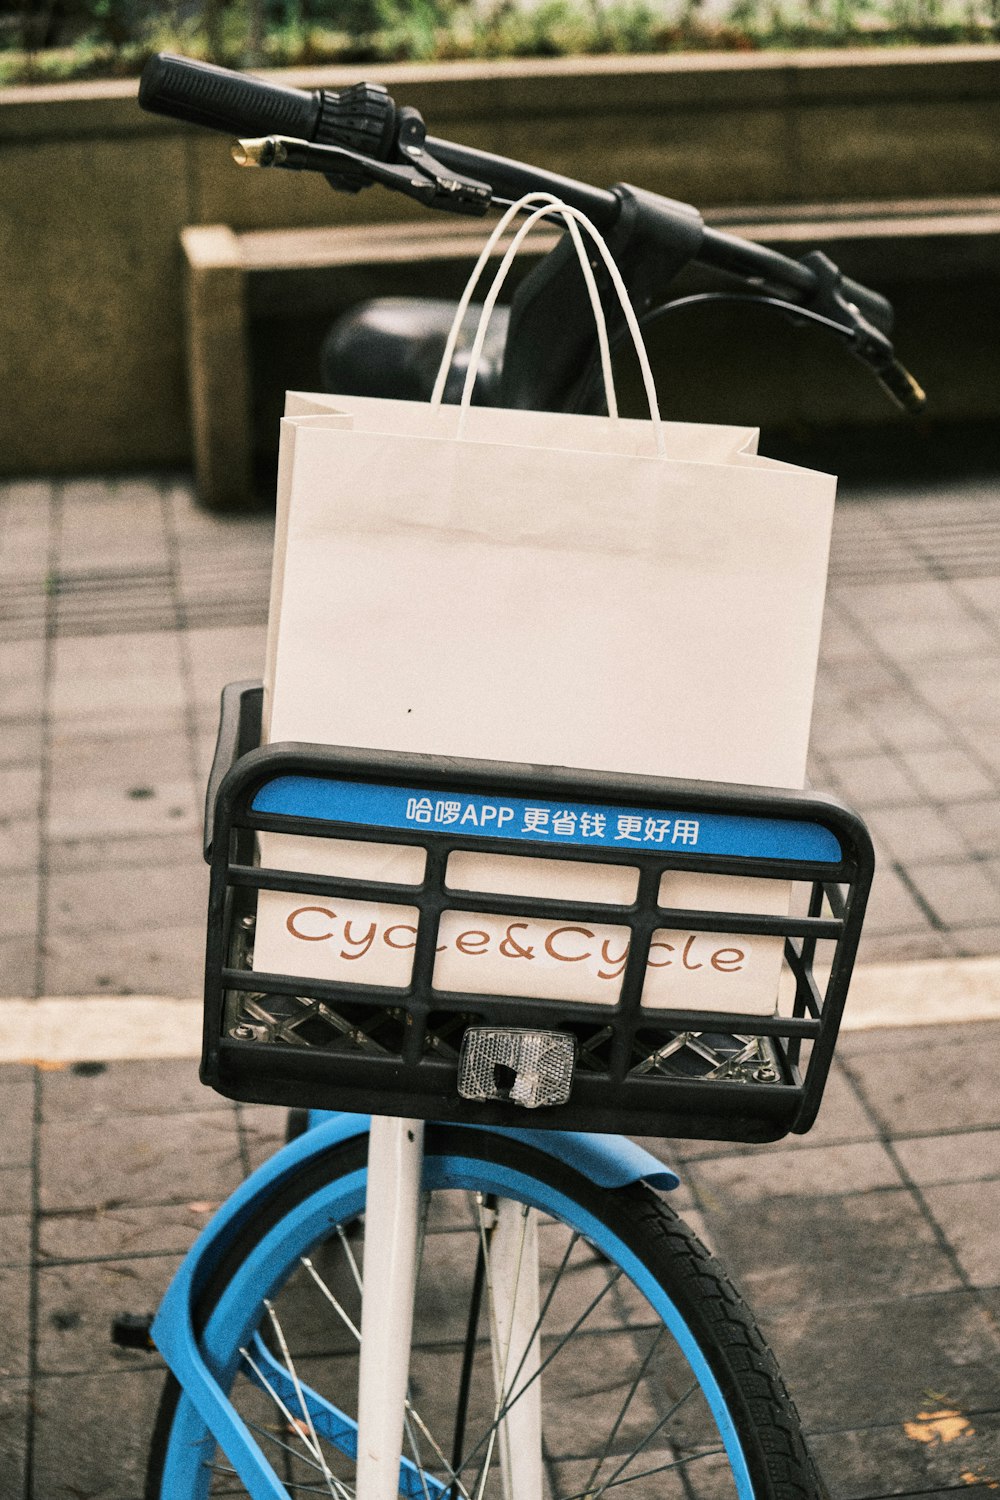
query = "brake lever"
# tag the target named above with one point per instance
(421, 177)
(866, 341)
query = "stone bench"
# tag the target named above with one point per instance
(233, 279)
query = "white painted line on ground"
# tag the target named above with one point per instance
(109, 1028)
(929, 992)
(105, 1027)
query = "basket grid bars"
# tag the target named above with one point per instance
(395, 1049)
(624, 1019)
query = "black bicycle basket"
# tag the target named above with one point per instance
(638, 995)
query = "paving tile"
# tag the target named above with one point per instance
(576, 1477)
(220, 655)
(915, 636)
(979, 735)
(20, 739)
(15, 1239)
(15, 1293)
(978, 823)
(813, 1171)
(128, 681)
(19, 904)
(975, 942)
(872, 781)
(866, 677)
(134, 1159)
(892, 906)
(882, 1044)
(115, 900)
(968, 1214)
(20, 844)
(947, 775)
(796, 1253)
(959, 893)
(967, 1156)
(20, 791)
(990, 1299)
(963, 689)
(839, 730)
(78, 1303)
(15, 1190)
(22, 678)
(92, 536)
(911, 601)
(901, 721)
(982, 594)
(204, 529)
(923, 1078)
(263, 1131)
(128, 757)
(133, 852)
(161, 961)
(908, 1459)
(205, 741)
(17, 1114)
(903, 947)
(14, 1412)
(873, 1364)
(842, 1119)
(115, 810)
(18, 965)
(841, 639)
(120, 1233)
(92, 1434)
(914, 834)
(92, 1091)
(136, 763)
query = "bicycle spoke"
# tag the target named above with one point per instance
(673, 1466)
(647, 1439)
(411, 1411)
(270, 1437)
(625, 1406)
(307, 1414)
(543, 1366)
(346, 1245)
(293, 1423)
(574, 1239)
(545, 1372)
(412, 1440)
(347, 1321)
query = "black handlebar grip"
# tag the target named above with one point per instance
(876, 308)
(220, 99)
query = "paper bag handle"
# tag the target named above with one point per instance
(538, 197)
(572, 218)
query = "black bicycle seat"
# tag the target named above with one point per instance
(392, 346)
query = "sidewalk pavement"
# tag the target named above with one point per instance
(870, 1249)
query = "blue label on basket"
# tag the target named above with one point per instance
(539, 821)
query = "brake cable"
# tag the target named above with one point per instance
(865, 341)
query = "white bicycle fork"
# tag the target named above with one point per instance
(392, 1234)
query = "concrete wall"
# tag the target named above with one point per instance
(93, 195)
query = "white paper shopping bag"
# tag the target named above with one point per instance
(551, 589)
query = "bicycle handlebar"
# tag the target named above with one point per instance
(361, 126)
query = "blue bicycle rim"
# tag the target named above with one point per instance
(186, 1474)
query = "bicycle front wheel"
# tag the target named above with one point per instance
(644, 1372)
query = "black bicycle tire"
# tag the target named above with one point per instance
(781, 1467)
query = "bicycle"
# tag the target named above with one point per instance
(545, 1324)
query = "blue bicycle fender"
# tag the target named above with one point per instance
(609, 1161)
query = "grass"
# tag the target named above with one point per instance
(432, 30)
